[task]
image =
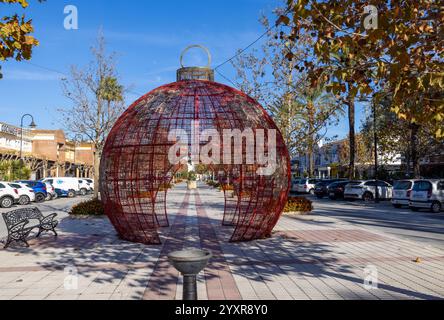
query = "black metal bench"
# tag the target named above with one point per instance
(19, 224)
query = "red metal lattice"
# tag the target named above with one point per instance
(135, 165)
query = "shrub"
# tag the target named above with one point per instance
(298, 204)
(88, 208)
(226, 187)
(165, 186)
(192, 176)
(213, 184)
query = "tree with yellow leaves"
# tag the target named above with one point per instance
(16, 41)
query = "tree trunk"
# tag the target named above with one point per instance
(352, 138)
(414, 151)
(96, 174)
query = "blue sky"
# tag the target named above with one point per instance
(148, 37)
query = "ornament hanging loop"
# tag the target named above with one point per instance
(196, 46)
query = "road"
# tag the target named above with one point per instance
(423, 226)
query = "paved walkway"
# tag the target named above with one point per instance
(310, 257)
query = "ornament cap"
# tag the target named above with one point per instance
(195, 73)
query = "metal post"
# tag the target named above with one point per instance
(376, 151)
(189, 287)
(32, 126)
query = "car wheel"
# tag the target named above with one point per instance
(24, 200)
(71, 194)
(83, 192)
(397, 206)
(414, 209)
(436, 207)
(40, 197)
(6, 202)
(367, 197)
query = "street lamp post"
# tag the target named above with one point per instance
(375, 137)
(32, 126)
(75, 151)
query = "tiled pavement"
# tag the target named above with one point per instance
(308, 257)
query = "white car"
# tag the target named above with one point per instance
(52, 194)
(91, 183)
(85, 187)
(26, 194)
(8, 195)
(307, 186)
(366, 190)
(427, 194)
(401, 192)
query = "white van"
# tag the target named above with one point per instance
(427, 194)
(65, 187)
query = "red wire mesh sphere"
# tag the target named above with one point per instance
(135, 165)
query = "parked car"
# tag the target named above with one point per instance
(336, 190)
(294, 185)
(321, 188)
(26, 194)
(85, 187)
(39, 189)
(427, 194)
(52, 194)
(8, 195)
(401, 192)
(366, 190)
(307, 186)
(91, 183)
(65, 187)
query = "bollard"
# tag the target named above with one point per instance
(189, 263)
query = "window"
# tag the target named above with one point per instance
(422, 186)
(441, 185)
(371, 184)
(2, 186)
(403, 185)
(382, 184)
(16, 186)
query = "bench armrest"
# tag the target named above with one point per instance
(49, 218)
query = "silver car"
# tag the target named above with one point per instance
(401, 192)
(427, 194)
(366, 190)
(307, 186)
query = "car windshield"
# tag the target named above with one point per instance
(403, 185)
(355, 183)
(304, 181)
(17, 186)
